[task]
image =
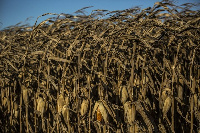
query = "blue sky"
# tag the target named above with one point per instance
(15, 11)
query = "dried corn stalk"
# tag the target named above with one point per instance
(110, 64)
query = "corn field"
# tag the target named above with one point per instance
(126, 71)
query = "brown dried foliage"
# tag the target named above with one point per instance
(118, 71)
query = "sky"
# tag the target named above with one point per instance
(15, 11)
